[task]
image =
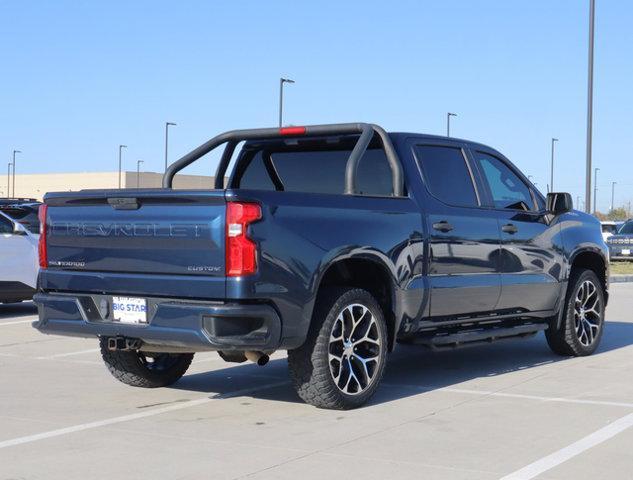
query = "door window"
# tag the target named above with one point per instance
(447, 175)
(507, 189)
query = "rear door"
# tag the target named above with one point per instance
(464, 238)
(530, 265)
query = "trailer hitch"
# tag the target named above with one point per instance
(124, 343)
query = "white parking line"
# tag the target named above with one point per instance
(488, 393)
(69, 354)
(547, 463)
(2, 324)
(134, 416)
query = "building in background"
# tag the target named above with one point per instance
(36, 185)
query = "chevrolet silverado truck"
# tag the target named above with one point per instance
(332, 242)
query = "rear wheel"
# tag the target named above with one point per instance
(145, 369)
(582, 324)
(343, 359)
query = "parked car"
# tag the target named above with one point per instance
(23, 211)
(608, 228)
(621, 244)
(333, 242)
(18, 261)
(12, 200)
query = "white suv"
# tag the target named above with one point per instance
(18, 261)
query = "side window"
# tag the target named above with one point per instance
(447, 175)
(5, 225)
(507, 189)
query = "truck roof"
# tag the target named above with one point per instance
(438, 137)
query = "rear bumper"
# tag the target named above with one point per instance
(185, 325)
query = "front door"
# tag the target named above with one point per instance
(463, 237)
(530, 266)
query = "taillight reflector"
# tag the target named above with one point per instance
(292, 131)
(41, 246)
(241, 251)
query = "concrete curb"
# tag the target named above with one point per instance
(620, 278)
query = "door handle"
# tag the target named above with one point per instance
(509, 228)
(442, 226)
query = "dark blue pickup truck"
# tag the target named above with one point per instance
(333, 242)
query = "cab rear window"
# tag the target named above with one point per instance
(316, 170)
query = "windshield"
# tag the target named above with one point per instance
(24, 214)
(627, 229)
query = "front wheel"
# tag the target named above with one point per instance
(343, 358)
(144, 369)
(583, 317)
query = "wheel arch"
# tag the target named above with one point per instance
(592, 259)
(369, 273)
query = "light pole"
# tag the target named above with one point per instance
(167, 125)
(448, 123)
(9, 180)
(577, 202)
(121, 147)
(592, 14)
(14, 152)
(551, 178)
(595, 190)
(612, 194)
(281, 97)
(138, 173)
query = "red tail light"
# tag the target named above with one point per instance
(41, 247)
(241, 251)
(292, 131)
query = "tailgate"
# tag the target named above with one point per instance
(150, 232)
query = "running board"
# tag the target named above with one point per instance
(476, 337)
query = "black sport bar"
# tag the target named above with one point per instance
(233, 137)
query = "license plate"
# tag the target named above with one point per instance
(626, 251)
(129, 310)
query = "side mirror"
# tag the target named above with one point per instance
(558, 203)
(19, 229)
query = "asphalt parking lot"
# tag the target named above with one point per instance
(509, 410)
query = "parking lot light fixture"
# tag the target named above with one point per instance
(595, 189)
(448, 123)
(121, 147)
(281, 98)
(551, 179)
(592, 18)
(167, 125)
(138, 173)
(613, 195)
(8, 179)
(13, 189)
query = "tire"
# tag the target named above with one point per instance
(330, 371)
(142, 369)
(581, 327)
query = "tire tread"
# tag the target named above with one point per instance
(126, 367)
(309, 375)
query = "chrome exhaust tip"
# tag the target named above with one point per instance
(260, 358)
